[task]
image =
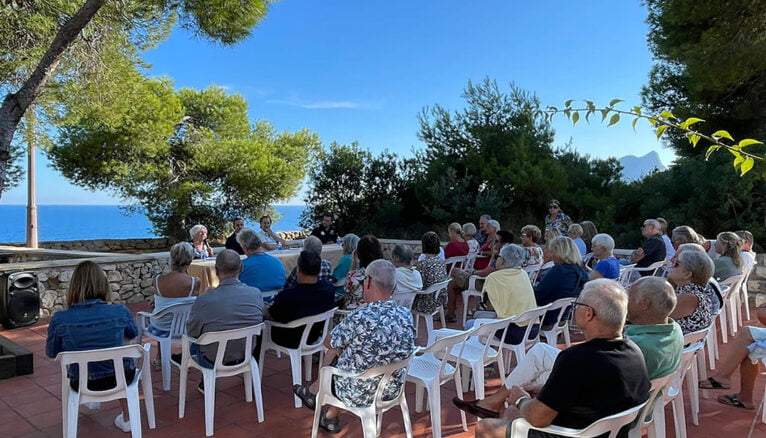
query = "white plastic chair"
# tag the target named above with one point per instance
(533, 318)
(478, 352)
(692, 373)
(430, 369)
(404, 299)
(625, 274)
(180, 313)
(562, 322)
(456, 262)
(632, 273)
(71, 399)
(652, 422)
(731, 301)
(469, 260)
(472, 291)
(743, 293)
(533, 271)
(248, 367)
(304, 349)
(612, 424)
(436, 289)
(371, 416)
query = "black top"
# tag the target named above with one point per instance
(326, 236)
(564, 280)
(231, 243)
(596, 379)
(298, 302)
(654, 251)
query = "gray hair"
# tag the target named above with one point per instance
(699, 264)
(196, 229)
(513, 255)
(690, 247)
(383, 274)
(402, 254)
(349, 243)
(181, 256)
(608, 300)
(653, 222)
(575, 231)
(485, 216)
(604, 241)
(494, 224)
(469, 229)
(228, 262)
(247, 238)
(313, 244)
(658, 291)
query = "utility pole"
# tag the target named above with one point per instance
(31, 189)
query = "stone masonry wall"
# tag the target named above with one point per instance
(107, 245)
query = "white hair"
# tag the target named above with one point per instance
(313, 244)
(196, 229)
(604, 241)
(608, 300)
(383, 274)
(247, 238)
(513, 255)
(495, 224)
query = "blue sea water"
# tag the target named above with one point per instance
(75, 222)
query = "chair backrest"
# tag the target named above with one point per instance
(563, 305)
(625, 274)
(224, 337)
(534, 320)
(308, 323)
(484, 331)
(404, 299)
(469, 260)
(114, 355)
(655, 394)
(734, 281)
(587, 258)
(443, 349)
(434, 288)
(180, 314)
(386, 373)
(455, 262)
(533, 271)
(608, 425)
(691, 338)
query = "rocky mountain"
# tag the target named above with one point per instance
(635, 168)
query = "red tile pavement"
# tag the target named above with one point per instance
(30, 406)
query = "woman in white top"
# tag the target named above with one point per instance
(174, 287)
(469, 232)
(408, 280)
(269, 238)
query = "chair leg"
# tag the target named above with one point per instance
(459, 390)
(248, 380)
(567, 338)
(745, 301)
(262, 358)
(692, 386)
(209, 379)
(679, 416)
(134, 410)
(146, 387)
(724, 325)
(165, 361)
(182, 380)
(419, 391)
(317, 413)
(430, 329)
(307, 366)
(295, 364)
(434, 401)
(443, 320)
(406, 416)
(478, 380)
(369, 425)
(71, 411)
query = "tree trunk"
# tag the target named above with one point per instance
(16, 104)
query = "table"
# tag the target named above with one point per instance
(205, 269)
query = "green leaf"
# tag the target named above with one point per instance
(575, 118)
(693, 139)
(660, 130)
(568, 113)
(690, 121)
(568, 103)
(667, 115)
(591, 105)
(615, 118)
(587, 115)
(653, 121)
(634, 123)
(710, 150)
(738, 160)
(604, 113)
(722, 134)
(614, 102)
(552, 108)
(637, 110)
(748, 142)
(746, 165)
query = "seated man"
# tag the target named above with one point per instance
(269, 239)
(653, 249)
(326, 232)
(259, 269)
(312, 244)
(377, 334)
(600, 377)
(231, 241)
(229, 306)
(309, 296)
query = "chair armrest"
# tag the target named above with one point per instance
(472, 282)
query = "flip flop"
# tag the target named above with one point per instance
(330, 425)
(733, 400)
(712, 383)
(474, 409)
(307, 397)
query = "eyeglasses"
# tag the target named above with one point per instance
(576, 303)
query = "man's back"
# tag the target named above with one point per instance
(661, 345)
(595, 379)
(297, 302)
(654, 251)
(263, 271)
(229, 306)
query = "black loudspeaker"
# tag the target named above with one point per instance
(20, 300)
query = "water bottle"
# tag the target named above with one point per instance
(279, 246)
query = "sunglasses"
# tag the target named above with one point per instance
(553, 206)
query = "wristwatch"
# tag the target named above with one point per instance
(521, 399)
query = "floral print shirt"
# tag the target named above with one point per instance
(377, 334)
(353, 289)
(433, 271)
(561, 223)
(702, 316)
(533, 255)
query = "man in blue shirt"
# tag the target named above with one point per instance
(259, 269)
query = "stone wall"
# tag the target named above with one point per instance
(107, 245)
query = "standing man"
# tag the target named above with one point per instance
(653, 249)
(231, 305)
(326, 231)
(231, 241)
(481, 235)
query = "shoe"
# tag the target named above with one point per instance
(92, 405)
(450, 318)
(473, 408)
(201, 387)
(121, 423)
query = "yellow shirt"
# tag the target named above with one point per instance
(510, 292)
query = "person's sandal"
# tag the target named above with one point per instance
(711, 383)
(330, 425)
(307, 397)
(733, 400)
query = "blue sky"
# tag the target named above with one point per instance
(362, 71)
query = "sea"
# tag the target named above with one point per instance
(85, 222)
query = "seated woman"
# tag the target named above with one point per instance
(343, 267)
(533, 253)
(269, 239)
(433, 271)
(589, 231)
(199, 242)
(90, 323)
(407, 279)
(551, 234)
(565, 279)
(690, 274)
(469, 234)
(684, 234)
(457, 246)
(177, 286)
(507, 292)
(729, 247)
(368, 249)
(575, 233)
(607, 266)
(485, 254)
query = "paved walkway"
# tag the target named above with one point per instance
(30, 406)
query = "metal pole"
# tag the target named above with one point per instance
(31, 190)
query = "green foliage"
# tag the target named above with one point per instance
(182, 157)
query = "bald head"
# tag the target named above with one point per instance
(227, 264)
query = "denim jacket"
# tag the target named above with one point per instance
(91, 325)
